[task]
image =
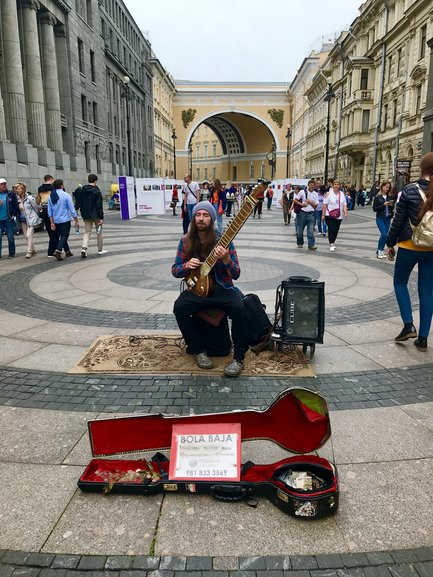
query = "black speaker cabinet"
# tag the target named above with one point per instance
(302, 301)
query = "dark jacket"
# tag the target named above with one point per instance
(12, 207)
(406, 210)
(88, 200)
(43, 194)
(380, 208)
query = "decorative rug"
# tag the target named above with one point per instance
(157, 355)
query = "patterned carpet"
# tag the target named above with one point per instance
(156, 355)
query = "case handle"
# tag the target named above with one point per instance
(228, 493)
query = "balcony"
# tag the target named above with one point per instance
(355, 142)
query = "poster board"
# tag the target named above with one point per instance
(127, 197)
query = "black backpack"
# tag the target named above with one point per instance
(259, 325)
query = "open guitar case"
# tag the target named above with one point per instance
(305, 485)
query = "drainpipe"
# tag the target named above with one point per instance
(382, 83)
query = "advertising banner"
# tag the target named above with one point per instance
(127, 197)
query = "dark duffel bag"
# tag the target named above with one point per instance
(259, 325)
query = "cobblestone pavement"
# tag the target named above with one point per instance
(51, 310)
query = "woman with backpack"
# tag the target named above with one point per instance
(410, 210)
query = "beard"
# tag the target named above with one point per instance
(200, 246)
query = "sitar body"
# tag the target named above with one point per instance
(199, 281)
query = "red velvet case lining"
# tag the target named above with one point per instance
(297, 420)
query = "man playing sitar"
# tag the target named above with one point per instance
(209, 288)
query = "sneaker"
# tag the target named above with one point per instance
(34, 252)
(29, 255)
(408, 332)
(421, 344)
(11, 256)
(68, 253)
(332, 248)
(50, 255)
(323, 233)
(203, 361)
(314, 247)
(84, 252)
(300, 245)
(234, 368)
(58, 255)
(380, 254)
(102, 251)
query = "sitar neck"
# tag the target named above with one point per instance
(230, 232)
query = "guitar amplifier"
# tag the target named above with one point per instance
(302, 304)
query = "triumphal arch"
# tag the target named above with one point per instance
(232, 131)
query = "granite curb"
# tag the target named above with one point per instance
(399, 563)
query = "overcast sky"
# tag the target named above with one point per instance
(239, 40)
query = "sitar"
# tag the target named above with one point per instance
(199, 280)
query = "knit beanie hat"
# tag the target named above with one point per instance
(205, 205)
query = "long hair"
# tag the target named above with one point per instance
(426, 166)
(196, 248)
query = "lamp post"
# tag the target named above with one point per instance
(190, 157)
(173, 135)
(288, 136)
(328, 97)
(126, 94)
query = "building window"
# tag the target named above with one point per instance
(394, 113)
(235, 173)
(80, 56)
(197, 172)
(364, 79)
(92, 66)
(251, 169)
(98, 158)
(95, 113)
(84, 109)
(214, 173)
(89, 12)
(418, 99)
(365, 120)
(385, 117)
(197, 150)
(205, 173)
(389, 68)
(423, 41)
(398, 71)
(214, 148)
(87, 156)
(205, 146)
(262, 169)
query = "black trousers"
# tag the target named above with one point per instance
(333, 228)
(52, 234)
(188, 303)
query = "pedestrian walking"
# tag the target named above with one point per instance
(308, 200)
(410, 210)
(44, 192)
(383, 206)
(60, 210)
(333, 209)
(8, 212)
(29, 216)
(286, 202)
(88, 200)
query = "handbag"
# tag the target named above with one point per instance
(335, 213)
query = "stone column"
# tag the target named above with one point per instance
(33, 76)
(3, 136)
(14, 96)
(51, 82)
(427, 143)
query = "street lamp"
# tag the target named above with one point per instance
(173, 135)
(328, 97)
(190, 157)
(125, 92)
(288, 136)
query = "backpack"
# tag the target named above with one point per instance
(258, 323)
(422, 233)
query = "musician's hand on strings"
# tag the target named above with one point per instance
(223, 254)
(192, 264)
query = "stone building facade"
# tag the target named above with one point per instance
(63, 106)
(378, 75)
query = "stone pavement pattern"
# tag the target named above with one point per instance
(380, 395)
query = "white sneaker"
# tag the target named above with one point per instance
(380, 254)
(332, 248)
(102, 251)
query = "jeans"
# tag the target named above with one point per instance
(8, 226)
(190, 207)
(321, 225)
(404, 264)
(305, 219)
(383, 226)
(219, 219)
(63, 229)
